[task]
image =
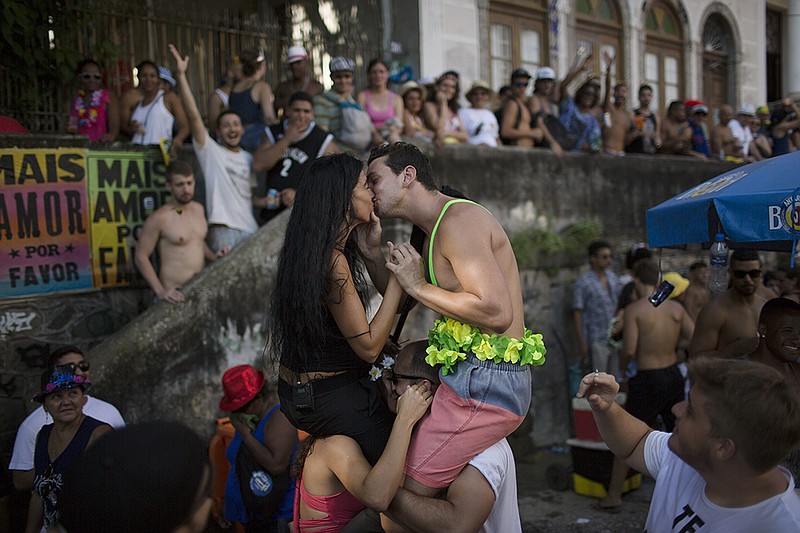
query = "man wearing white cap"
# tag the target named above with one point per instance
(740, 129)
(297, 63)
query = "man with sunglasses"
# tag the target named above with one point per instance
(727, 325)
(515, 127)
(21, 465)
(338, 112)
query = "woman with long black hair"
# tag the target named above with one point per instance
(319, 331)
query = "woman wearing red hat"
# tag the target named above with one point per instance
(258, 492)
(59, 444)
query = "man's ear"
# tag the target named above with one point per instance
(762, 329)
(409, 174)
(724, 449)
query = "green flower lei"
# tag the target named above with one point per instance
(450, 340)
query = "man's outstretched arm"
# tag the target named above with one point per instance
(623, 434)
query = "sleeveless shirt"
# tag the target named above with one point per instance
(378, 116)
(156, 120)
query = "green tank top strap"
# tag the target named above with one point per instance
(436, 227)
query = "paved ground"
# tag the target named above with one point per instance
(544, 510)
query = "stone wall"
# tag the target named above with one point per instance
(167, 361)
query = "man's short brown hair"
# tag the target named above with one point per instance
(751, 404)
(179, 167)
(646, 271)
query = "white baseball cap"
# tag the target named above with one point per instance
(296, 53)
(545, 73)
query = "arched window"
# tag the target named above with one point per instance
(599, 29)
(663, 56)
(517, 38)
(719, 59)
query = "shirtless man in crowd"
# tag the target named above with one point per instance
(696, 295)
(727, 325)
(617, 124)
(676, 135)
(723, 143)
(178, 229)
(652, 335)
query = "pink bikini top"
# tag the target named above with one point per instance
(379, 117)
(340, 508)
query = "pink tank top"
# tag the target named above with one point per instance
(379, 117)
(340, 507)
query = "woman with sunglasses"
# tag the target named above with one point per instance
(319, 329)
(59, 444)
(95, 111)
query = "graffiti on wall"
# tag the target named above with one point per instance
(15, 322)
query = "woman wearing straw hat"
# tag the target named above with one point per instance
(59, 444)
(413, 124)
(480, 123)
(258, 492)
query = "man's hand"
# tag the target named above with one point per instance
(293, 132)
(608, 59)
(173, 296)
(238, 424)
(287, 196)
(600, 389)
(176, 145)
(181, 64)
(406, 264)
(368, 236)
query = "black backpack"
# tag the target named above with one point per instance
(262, 493)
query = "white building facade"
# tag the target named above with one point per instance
(733, 52)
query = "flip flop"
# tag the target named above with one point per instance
(611, 509)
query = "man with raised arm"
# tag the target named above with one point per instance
(178, 229)
(227, 169)
(718, 470)
(480, 340)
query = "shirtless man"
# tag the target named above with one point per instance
(723, 143)
(178, 229)
(727, 325)
(696, 295)
(652, 335)
(297, 64)
(617, 123)
(474, 283)
(676, 136)
(515, 128)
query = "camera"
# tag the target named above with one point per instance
(662, 293)
(303, 397)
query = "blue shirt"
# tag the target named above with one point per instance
(582, 125)
(597, 303)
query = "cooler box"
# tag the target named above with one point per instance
(591, 465)
(585, 428)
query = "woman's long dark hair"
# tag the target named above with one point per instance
(298, 317)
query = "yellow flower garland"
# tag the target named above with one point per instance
(451, 339)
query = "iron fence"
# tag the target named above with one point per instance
(119, 34)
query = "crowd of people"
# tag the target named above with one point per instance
(415, 439)
(656, 350)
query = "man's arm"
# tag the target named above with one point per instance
(507, 129)
(705, 340)
(630, 337)
(608, 60)
(469, 501)
(268, 154)
(623, 434)
(577, 317)
(484, 300)
(198, 129)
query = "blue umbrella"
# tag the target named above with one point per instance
(756, 206)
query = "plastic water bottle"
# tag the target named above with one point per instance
(718, 280)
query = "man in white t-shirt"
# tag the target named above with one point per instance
(740, 128)
(484, 495)
(21, 464)
(227, 169)
(718, 470)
